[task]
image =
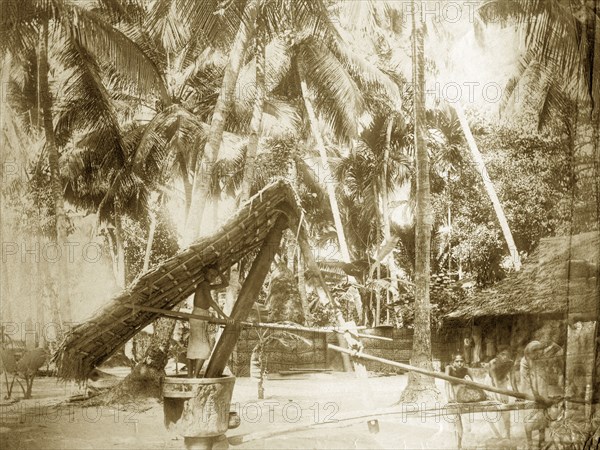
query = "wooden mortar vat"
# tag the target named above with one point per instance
(198, 409)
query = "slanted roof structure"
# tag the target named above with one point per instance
(559, 277)
(166, 285)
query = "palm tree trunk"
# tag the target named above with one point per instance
(53, 163)
(120, 252)
(150, 241)
(489, 187)
(255, 130)
(187, 184)
(256, 122)
(384, 187)
(302, 286)
(335, 210)
(595, 96)
(4, 78)
(421, 388)
(217, 126)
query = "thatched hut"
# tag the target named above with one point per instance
(558, 281)
(256, 226)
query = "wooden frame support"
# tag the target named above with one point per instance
(248, 294)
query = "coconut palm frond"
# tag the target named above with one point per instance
(100, 38)
(227, 175)
(277, 64)
(18, 29)
(165, 24)
(88, 103)
(173, 123)
(312, 17)
(554, 33)
(129, 11)
(338, 97)
(509, 90)
(214, 21)
(279, 118)
(555, 102)
(369, 74)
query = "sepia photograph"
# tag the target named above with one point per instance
(299, 224)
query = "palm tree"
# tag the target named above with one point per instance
(83, 36)
(257, 112)
(378, 164)
(201, 184)
(310, 16)
(562, 40)
(421, 388)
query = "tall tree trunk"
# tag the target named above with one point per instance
(385, 209)
(594, 55)
(335, 210)
(489, 187)
(302, 285)
(187, 184)
(4, 79)
(257, 114)
(53, 163)
(421, 388)
(384, 187)
(252, 149)
(148, 252)
(209, 157)
(120, 252)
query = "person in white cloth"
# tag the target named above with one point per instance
(198, 349)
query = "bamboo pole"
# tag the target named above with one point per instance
(271, 326)
(441, 376)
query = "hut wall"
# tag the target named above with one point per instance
(509, 332)
(317, 356)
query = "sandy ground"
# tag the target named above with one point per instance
(46, 422)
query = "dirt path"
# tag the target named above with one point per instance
(44, 422)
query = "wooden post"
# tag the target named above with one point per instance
(248, 294)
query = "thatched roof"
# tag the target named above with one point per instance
(92, 342)
(546, 284)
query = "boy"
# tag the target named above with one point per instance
(199, 349)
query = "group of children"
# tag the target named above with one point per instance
(538, 372)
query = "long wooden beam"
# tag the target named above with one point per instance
(246, 298)
(270, 326)
(440, 375)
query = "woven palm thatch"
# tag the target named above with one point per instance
(92, 342)
(559, 277)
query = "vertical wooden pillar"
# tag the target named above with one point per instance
(248, 294)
